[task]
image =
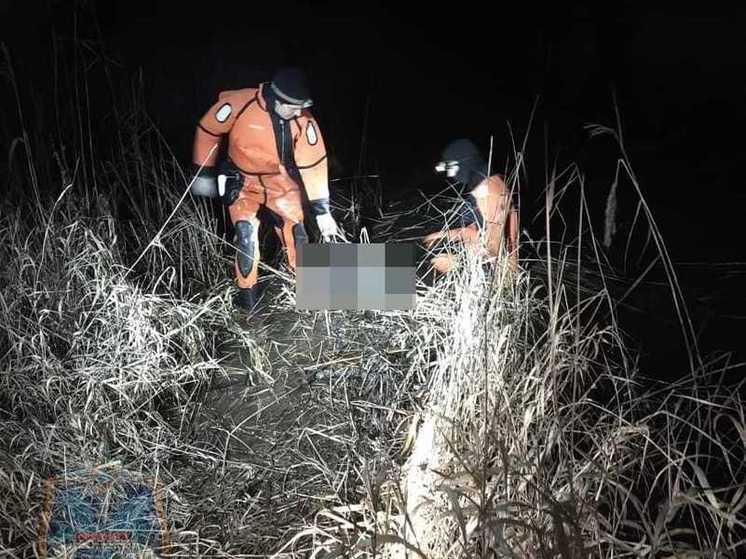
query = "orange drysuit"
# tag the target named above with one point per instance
(269, 160)
(489, 207)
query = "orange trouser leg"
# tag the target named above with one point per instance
(284, 199)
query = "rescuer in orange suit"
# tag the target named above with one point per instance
(488, 206)
(275, 148)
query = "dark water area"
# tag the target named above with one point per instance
(391, 87)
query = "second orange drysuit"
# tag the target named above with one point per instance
(488, 208)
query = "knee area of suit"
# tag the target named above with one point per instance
(245, 241)
(244, 233)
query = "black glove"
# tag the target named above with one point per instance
(319, 207)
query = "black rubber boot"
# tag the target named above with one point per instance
(247, 298)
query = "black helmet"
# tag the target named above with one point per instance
(472, 168)
(290, 86)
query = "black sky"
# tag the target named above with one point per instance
(393, 84)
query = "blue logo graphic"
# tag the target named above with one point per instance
(98, 514)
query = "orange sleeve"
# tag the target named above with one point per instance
(217, 122)
(310, 157)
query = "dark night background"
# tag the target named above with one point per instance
(392, 85)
